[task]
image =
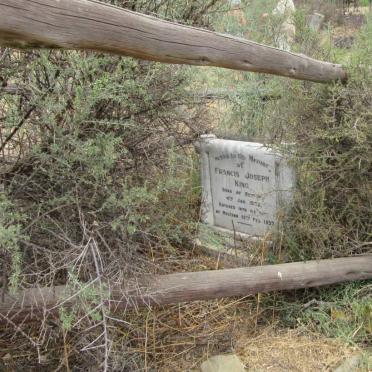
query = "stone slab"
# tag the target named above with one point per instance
(245, 185)
(223, 363)
(315, 21)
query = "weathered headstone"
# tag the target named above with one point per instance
(284, 11)
(315, 21)
(235, 3)
(245, 185)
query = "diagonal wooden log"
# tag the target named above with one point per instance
(91, 25)
(192, 286)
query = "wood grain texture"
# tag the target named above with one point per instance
(192, 286)
(91, 25)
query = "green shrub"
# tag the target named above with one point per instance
(329, 127)
(100, 168)
(10, 237)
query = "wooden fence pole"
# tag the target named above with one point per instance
(91, 25)
(192, 286)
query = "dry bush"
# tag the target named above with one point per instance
(101, 185)
(330, 126)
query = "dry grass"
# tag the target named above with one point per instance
(290, 350)
(180, 338)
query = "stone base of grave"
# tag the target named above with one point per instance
(234, 248)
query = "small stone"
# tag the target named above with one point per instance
(350, 364)
(223, 363)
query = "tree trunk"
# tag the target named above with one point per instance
(192, 286)
(90, 25)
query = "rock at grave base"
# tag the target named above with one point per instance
(315, 21)
(350, 364)
(223, 363)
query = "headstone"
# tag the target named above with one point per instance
(287, 31)
(235, 3)
(245, 185)
(315, 21)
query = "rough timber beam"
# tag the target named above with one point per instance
(33, 304)
(91, 25)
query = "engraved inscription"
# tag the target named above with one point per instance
(244, 181)
(246, 176)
